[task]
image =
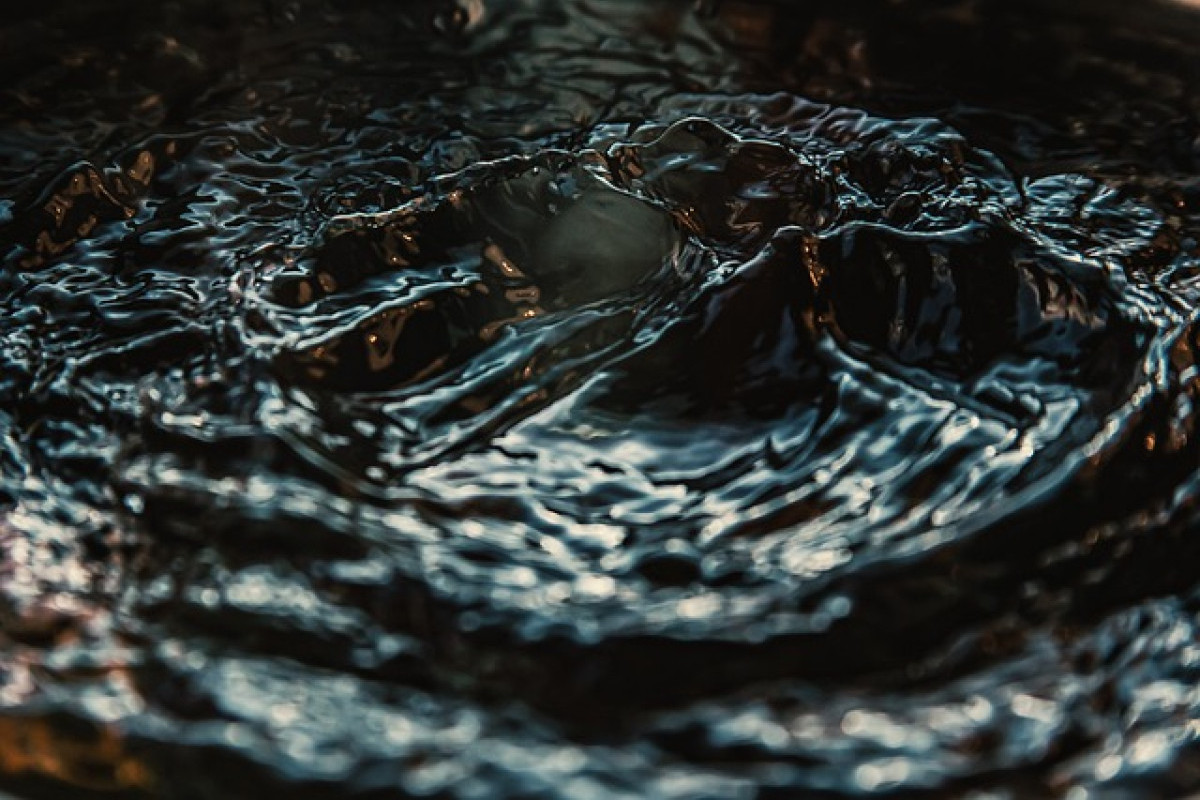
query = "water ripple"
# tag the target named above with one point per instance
(515, 398)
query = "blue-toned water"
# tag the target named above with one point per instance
(599, 398)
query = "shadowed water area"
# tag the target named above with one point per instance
(599, 398)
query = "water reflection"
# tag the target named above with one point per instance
(579, 399)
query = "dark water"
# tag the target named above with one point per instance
(599, 398)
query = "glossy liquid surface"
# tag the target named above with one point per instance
(599, 399)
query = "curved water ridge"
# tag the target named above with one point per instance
(529, 326)
(658, 424)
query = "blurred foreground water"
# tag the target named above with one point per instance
(599, 398)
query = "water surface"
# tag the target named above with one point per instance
(599, 398)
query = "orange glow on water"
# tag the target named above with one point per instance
(32, 747)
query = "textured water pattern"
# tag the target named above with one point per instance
(518, 398)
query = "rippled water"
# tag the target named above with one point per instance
(599, 398)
